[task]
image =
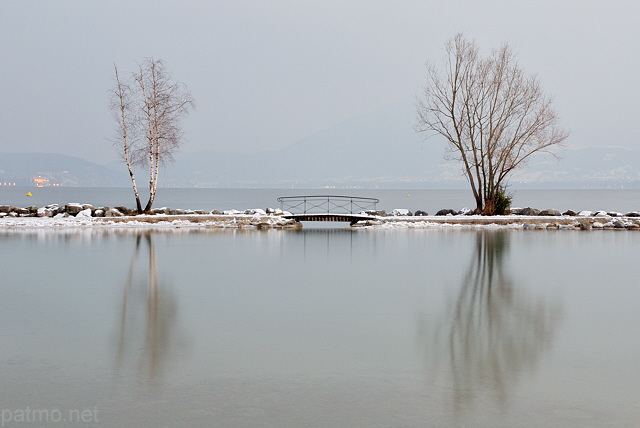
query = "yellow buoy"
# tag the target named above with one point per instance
(29, 194)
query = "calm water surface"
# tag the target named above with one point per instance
(322, 327)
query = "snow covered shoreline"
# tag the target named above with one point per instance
(152, 221)
(270, 221)
(512, 222)
(76, 215)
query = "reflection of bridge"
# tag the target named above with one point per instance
(328, 208)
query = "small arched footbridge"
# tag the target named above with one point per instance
(328, 208)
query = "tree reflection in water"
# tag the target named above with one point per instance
(494, 331)
(148, 319)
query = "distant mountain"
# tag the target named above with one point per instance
(383, 150)
(56, 169)
(587, 167)
(379, 150)
(309, 167)
(376, 150)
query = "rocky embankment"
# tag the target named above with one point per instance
(85, 213)
(526, 218)
(58, 211)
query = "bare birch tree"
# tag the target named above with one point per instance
(122, 105)
(492, 114)
(151, 109)
(163, 104)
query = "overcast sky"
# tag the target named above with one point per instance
(267, 73)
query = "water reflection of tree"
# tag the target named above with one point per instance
(494, 331)
(148, 317)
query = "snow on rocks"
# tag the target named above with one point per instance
(447, 212)
(113, 212)
(256, 211)
(525, 211)
(550, 213)
(83, 220)
(84, 215)
(403, 212)
(73, 208)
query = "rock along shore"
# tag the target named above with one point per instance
(74, 214)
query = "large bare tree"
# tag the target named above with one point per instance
(151, 108)
(492, 114)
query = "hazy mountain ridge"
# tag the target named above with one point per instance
(588, 167)
(602, 167)
(376, 150)
(63, 170)
(383, 150)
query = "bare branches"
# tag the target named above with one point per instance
(155, 107)
(493, 115)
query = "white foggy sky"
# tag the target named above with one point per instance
(265, 74)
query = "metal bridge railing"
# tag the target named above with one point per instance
(327, 204)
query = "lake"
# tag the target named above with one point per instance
(320, 327)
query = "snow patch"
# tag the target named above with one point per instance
(84, 213)
(400, 212)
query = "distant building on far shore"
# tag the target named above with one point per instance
(41, 181)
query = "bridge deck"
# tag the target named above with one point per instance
(351, 218)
